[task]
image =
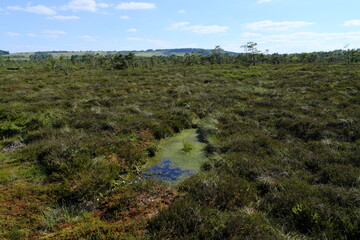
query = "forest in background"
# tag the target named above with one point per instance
(191, 56)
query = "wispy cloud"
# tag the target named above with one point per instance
(135, 5)
(39, 9)
(12, 34)
(276, 26)
(64, 18)
(200, 29)
(31, 35)
(124, 17)
(104, 5)
(264, 1)
(181, 11)
(178, 25)
(354, 22)
(207, 29)
(131, 30)
(309, 41)
(4, 11)
(82, 5)
(134, 39)
(85, 5)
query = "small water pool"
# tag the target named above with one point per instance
(167, 171)
(171, 163)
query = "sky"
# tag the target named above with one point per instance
(283, 26)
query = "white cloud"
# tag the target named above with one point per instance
(134, 39)
(12, 34)
(131, 30)
(201, 29)
(135, 5)
(82, 5)
(39, 9)
(178, 25)
(276, 26)
(64, 18)
(306, 41)
(354, 22)
(31, 35)
(88, 38)
(264, 1)
(181, 11)
(104, 5)
(207, 29)
(124, 17)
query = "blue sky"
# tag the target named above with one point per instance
(283, 26)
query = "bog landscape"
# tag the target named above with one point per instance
(207, 143)
(215, 146)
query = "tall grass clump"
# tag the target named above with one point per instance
(187, 147)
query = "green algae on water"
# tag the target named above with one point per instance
(184, 150)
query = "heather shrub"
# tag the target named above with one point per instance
(219, 190)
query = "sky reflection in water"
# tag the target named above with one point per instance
(166, 170)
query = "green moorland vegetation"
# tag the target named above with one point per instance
(282, 139)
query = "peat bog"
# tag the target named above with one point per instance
(278, 156)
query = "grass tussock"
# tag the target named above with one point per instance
(187, 147)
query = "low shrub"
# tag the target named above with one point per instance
(186, 219)
(334, 174)
(219, 190)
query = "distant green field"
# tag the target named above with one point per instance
(26, 55)
(148, 53)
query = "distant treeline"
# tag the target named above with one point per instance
(215, 56)
(2, 52)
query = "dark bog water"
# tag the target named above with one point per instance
(167, 171)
